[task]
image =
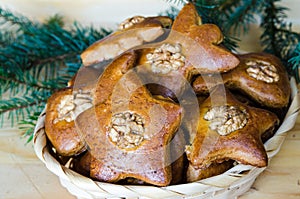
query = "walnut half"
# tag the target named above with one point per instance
(166, 58)
(263, 71)
(130, 22)
(226, 119)
(127, 130)
(72, 105)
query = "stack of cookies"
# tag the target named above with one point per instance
(163, 102)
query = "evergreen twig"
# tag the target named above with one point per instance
(278, 38)
(36, 59)
(27, 125)
(172, 12)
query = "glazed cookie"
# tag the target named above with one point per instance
(207, 55)
(129, 135)
(191, 48)
(62, 108)
(260, 76)
(229, 129)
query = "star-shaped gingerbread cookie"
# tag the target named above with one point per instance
(129, 134)
(191, 48)
(260, 76)
(229, 129)
(201, 41)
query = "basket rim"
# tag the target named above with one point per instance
(233, 182)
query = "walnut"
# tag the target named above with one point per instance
(263, 71)
(166, 58)
(226, 119)
(127, 130)
(64, 109)
(130, 22)
(72, 105)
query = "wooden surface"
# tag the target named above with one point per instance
(24, 176)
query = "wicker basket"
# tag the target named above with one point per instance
(230, 184)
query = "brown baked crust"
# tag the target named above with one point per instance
(215, 58)
(205, 55)
(199, 47)
(63, 135)
(178, 157)
(112, 75)
(243, 145)
(82, 164)
(170, 85)
(187, 17)
(273, 95)
(114, 44)
(213, 170)
(149, 161)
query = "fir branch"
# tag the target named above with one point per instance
(239, 14)
(172, 12)
(53, 59)
(37, 59)
(294, 62)
(23, 103)
(176, 1)
(27, 125)
(271, 21)
(10, 19)
(23, 81)
(16, 81)
(17, 109)
(6, 38)
(278, 38)
(207, 4)
(211, 12)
